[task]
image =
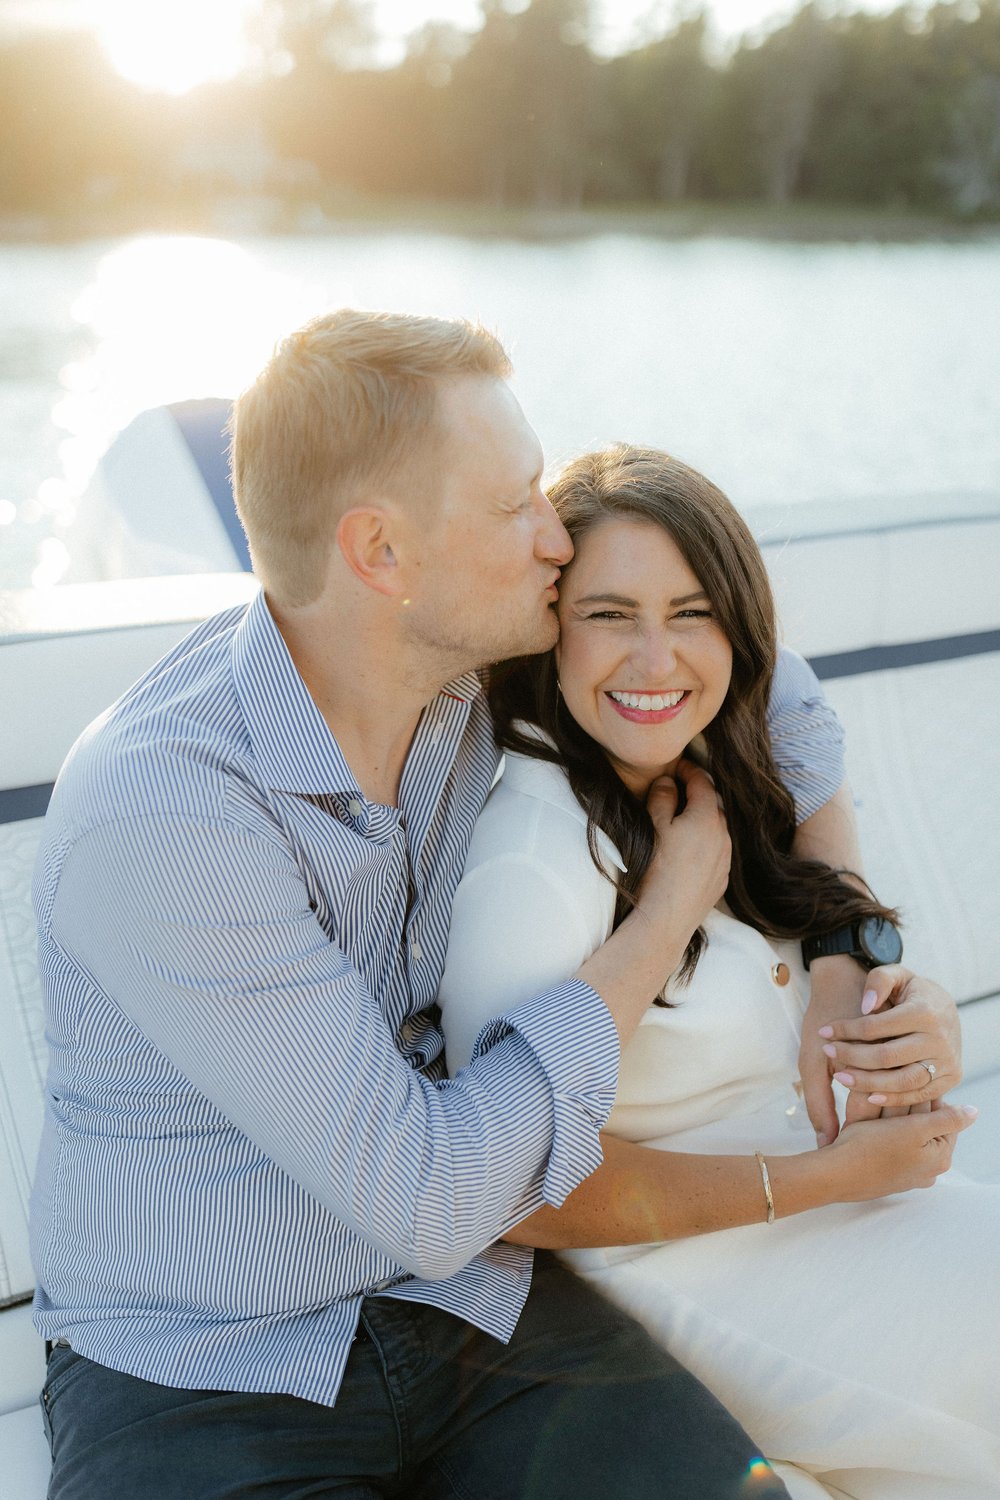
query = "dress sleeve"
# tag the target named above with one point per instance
(518, 928)
(807, 738)
(529, 909)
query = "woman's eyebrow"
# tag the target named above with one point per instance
(608, 599)
(634, 603)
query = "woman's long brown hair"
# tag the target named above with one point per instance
(769, 888)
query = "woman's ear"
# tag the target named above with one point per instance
(364, 538)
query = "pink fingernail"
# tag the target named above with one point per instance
(970, 1110)
(847, 1079)
(877, 1099)
(822, 1140)
(830, 1050)
(826, 1031)
(869, 1000)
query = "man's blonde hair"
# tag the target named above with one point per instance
(343, 404)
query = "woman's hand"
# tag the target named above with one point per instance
(881, 1055)
(687, 875)
(906, 1021)
(874, 1157)
(690, 868)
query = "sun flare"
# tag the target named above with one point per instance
(173, 45)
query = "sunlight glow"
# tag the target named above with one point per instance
(169, 318)
(173, 45)
(53, 561)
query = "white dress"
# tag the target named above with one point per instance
(858, 1344)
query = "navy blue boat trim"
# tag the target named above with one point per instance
(906, 654)
(202, 424)
(19, 803)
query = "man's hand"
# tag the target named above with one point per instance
(877, 1030)
(838, 984)
(881, 1055)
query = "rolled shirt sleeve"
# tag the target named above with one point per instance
(585, 1094)
(807, 738)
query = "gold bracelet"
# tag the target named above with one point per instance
(765, 1179)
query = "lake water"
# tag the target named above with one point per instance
(787, 372)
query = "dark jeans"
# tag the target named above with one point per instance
(581, 1405)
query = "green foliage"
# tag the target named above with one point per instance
(663, 95)
(893, 109)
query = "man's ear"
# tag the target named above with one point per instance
(364, 538)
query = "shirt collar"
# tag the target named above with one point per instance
(464, 688)
(293, 745)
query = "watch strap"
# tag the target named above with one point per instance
(841, 940)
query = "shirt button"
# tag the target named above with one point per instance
(354, 808)
(780, 973)
(417, 952)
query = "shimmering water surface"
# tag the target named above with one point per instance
(785, 371)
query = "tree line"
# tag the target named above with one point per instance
(899, 109)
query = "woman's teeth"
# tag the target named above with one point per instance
(646, 701)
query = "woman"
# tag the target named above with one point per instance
(843, 1339)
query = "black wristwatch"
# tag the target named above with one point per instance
(872, 941)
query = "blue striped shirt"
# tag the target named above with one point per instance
(248, 1127)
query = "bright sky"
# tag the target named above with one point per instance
(175, 44)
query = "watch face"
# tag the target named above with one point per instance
(880, 941)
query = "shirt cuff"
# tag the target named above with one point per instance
(571, 1034)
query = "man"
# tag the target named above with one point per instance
(266, 1229)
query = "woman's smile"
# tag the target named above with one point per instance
(649, 708)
